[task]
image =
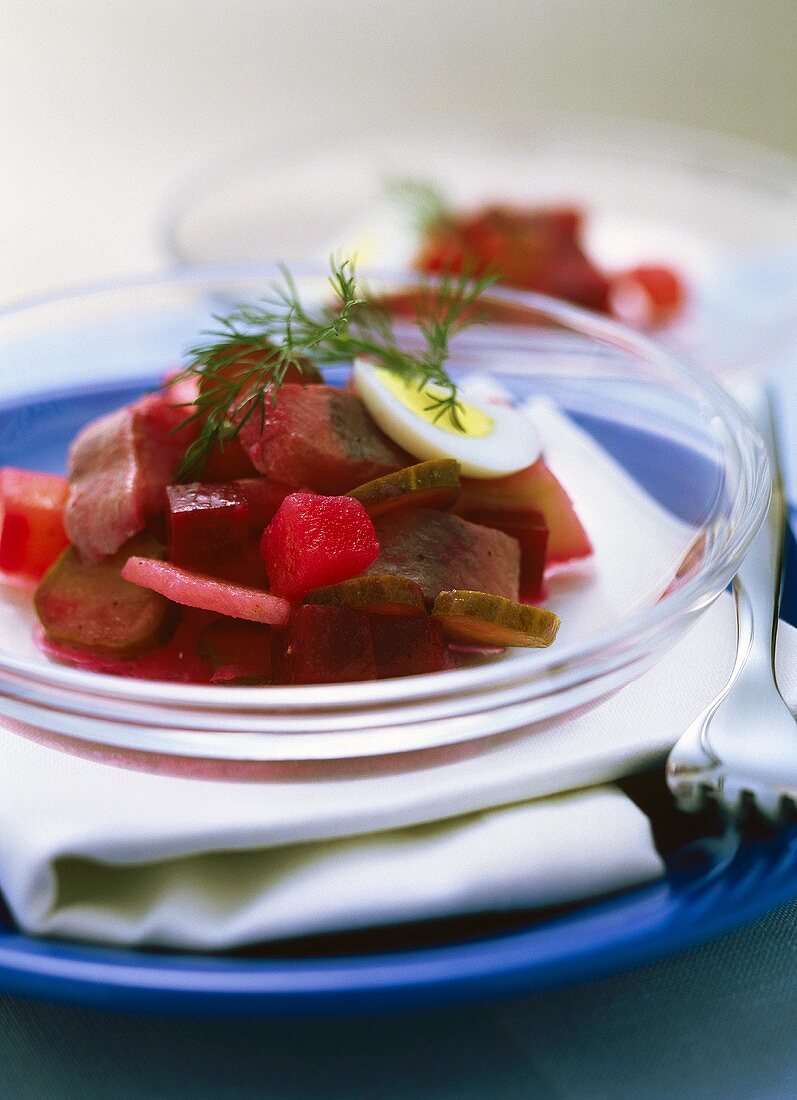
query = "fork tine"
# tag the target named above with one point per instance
(690, 795)
(768, 802)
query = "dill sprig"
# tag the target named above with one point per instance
(247, 357)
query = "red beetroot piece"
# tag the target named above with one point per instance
(315, 541)
(237, 652)
(320, 438)
(408, 646)
(207, 593)
(531, 532)
(324, 645)
(263, 497)
(210, 534)
(119, 467)
(208, 526)
(534, 489)
(227, 461)
(247, 570)
(440, 551)
(32, 531)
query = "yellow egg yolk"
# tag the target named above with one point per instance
(476, 423)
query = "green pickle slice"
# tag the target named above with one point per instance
(383, 594)
(433, 484)
(90, 607)
(477, 618)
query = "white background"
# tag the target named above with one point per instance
(107, 105)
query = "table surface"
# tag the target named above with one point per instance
(106, 107)
(719, 1021)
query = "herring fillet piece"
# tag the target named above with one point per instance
(119, 467)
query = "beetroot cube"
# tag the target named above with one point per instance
(531, 531)
(324, 645)
(264, 497)
(227, 461)
(320, 438)
(208, 526)
(405, 646)
(314, 541)
(247, 569)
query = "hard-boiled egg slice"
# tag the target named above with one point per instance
(496, 440)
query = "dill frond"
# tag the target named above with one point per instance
(245, 360)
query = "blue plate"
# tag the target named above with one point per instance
(711, 887)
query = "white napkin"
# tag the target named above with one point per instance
(93, 851)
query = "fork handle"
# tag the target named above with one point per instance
(761, 571)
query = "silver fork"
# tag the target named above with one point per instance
(742, 750)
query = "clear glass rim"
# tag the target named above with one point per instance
(627, 640)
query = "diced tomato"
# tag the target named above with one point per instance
(408, 646)
(533, 489)
(530, 530)
(32, 531)
(208, 526)
(314, 541)
(324, 645)
(647, 296)
(207, 593)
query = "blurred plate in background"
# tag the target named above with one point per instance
(720, 211)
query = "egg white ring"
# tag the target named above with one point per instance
(512, 445)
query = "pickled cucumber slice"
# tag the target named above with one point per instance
(433, 484)
(89, 606)
(477, 618)
(383, 594)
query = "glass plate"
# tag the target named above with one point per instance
(65, 361)
(721, 211)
